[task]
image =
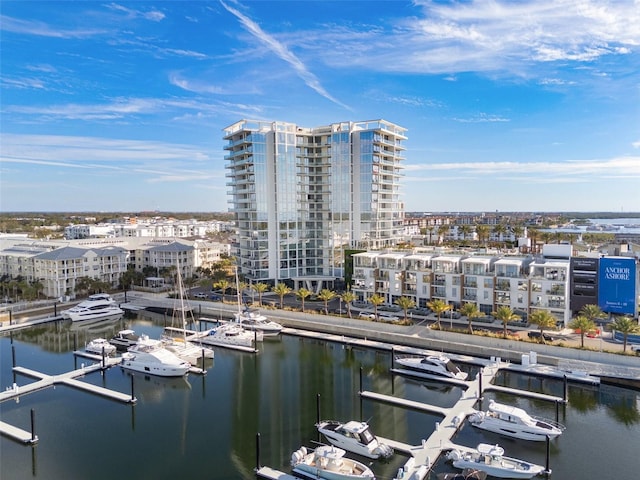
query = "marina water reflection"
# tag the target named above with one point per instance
(204, 427)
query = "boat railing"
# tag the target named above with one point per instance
(548, 421)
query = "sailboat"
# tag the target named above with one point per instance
(254, 320)
(175, 339)
(231, 334)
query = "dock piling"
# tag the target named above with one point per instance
(318, 408)
(258, 451)
(34, 437)
(133, 397)
(547, 462)
(565, 393)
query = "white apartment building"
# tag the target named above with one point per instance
(59, 264)
(523, 283)
(302, 195)
(145, 229)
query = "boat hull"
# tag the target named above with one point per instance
(508, 431)
(111, 314)
(159, 370)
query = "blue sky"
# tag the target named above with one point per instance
(509, 105)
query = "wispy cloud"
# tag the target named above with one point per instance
(157, 161)
(482, 118)
(32, 27)
(284, 54)
(152, 15)
(521, 171)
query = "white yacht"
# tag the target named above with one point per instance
(438, 365)
(150, 357)
(254, 320)
(355, 437)
(99, 345)
(515, 422)
(491, 459)
(229, 334)
(174, 340)
(329, 463)
(95, 307)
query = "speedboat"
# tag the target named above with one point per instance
(124, 339)
(254, 320)
(100, 345)
(491, 459)
(466, 474)
(97, 306)
(515, 422)
(439, 365)
(229, 335)
(328, 462)
(354, 437)
(150, 357)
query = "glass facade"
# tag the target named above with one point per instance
(301, 196)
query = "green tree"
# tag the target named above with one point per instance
(326, 295)
(592, 312)
(405, 303)
(505, 315)
(260, 288)
(483, 233)
(438, 307)
(302, 294)
(544, 319)
(281, 290)
(347, 298)
(470, 310)
(583, 324)
(626, 326)
(223, 285)
(376, 300)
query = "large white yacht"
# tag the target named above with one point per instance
(254, 320)
(150, 357)
(99, 306)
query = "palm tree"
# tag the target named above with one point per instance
(626, 326)
(376, 300)
(499, 231)
(223, 285)
(584, 324)
(405, 303)
(442, 231)
(347, 298)
(302, 293)
(505, 315)
(470, 310)
(325, 295)
(465, 230)
(544, 319)
(438, 307)
(260, 288)
(483, 232)
(592, 312)
(281, 290)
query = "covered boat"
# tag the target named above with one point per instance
(515, 422)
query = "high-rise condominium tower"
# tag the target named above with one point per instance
(302, 195)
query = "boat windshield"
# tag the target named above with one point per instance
(452, 368)
(366, 436)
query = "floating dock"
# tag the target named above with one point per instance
(17, 433)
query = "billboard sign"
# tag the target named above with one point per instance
(617, 285)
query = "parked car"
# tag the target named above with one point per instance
(200, 295)
(215, 297)
(535, 334)
(367, 315)
(388, 318)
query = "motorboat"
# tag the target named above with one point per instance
(97, 306)
(466, 474)
(99, 346)
(254, 320)
(515, 422)
(491, 459)
(150, 357)
(229, 334)
(439, 365)
(124, 339)
(328, 462)
(355, 437)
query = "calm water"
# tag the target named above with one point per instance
(205, 427)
